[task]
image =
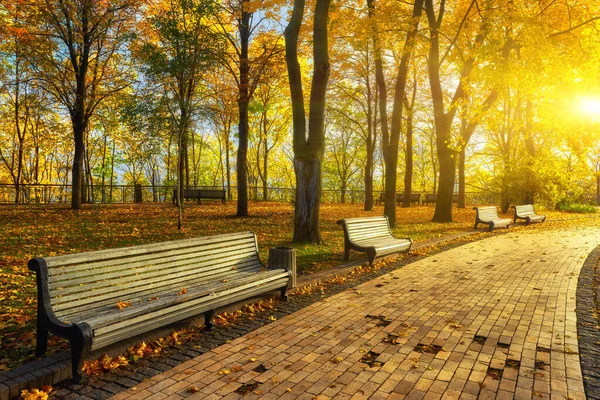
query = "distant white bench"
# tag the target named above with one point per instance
(527, 213)
(489, 216)
(371, 235)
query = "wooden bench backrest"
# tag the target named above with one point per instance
(366, 228)
(487, 213)
(80, 282)
(212, 193)
(430, 197)
(525, 209)
(413, 197)
(191, 193)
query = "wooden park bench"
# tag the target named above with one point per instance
(414, 198)
(200, 194)
(432, 198)
(98, 298)
(527, 213)
(371, 235)
(489, 216)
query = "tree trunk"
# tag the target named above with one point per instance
(243, 100)
(112, 172)
(265, 175)
(369, 147)
(104, 166)
(77, 172)
(408, 173)
(227, 166)
(530, 191)
(308, 200)
(461, 178)
(443, 208)
(369, 174)
(391, 146)
(308, 153)
(597, 189)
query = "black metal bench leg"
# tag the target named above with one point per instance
(208, 317)
(284, 295)
(81, 342)
(491, 226)
(371, 255)
(476, 223)
(41, 344)
(346, 252)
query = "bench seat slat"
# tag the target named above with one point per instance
(180, 306)
(152, 321)
(141, 306)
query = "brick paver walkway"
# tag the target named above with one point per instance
(491, 319)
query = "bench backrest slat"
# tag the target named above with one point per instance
(360, 229)
(487, 213)
(191, 270)
(525, 209)
(212, 194)
(88, 280)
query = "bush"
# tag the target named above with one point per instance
(565, 205)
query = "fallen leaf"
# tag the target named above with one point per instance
(122, 304)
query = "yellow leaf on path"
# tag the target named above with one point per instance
(272, 318)
(224, 372)
(193, 389)
(183, 291)
(33, 394)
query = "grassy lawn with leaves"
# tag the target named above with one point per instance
(32, 231)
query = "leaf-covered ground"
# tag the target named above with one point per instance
(52, 230)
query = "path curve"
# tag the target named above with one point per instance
(494, 318)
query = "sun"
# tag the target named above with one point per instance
(591, 106)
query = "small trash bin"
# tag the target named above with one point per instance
(283, 257)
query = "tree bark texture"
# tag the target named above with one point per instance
(390, 143)
(308, 151)
(243, 128)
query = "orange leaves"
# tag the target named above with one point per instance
(103, 364)
(123, 304)
(182, 291)
(36, 394)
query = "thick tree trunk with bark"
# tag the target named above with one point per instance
(308, 200)
(243, 100)
(443, 209)
(369, 174)
(77, 172)
(462, 202)
(408, 173)
(308, 152)
(529, 144)
(390, 144)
